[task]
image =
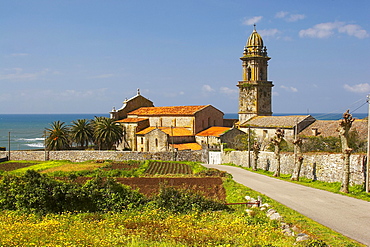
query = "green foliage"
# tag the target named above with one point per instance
(107, 195)
(57, 137)
(211, 172)
(82, 132)
(106, 132)
(38, 193)
(241, 141)
(40, 166)
(182, 201)
(321, 144)
(284, 146)
(358, 144)
(333, 143)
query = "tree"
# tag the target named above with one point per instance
(277, 141)
(82, 132)
(57, 137)
(298, 159)
(241, 141)
(256, 151)
(106, 132)
(344, 126)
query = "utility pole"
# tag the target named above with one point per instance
(8, 145)
(173, 148)
(249, 147)
(368, 146)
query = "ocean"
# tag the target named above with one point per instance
(25, 131)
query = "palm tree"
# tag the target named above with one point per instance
(106, 132)
(57, 136)
(82, 132)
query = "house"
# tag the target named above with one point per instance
(150, 128)
(215, 136)
(326, 128)
(157, 139)
(265, 126)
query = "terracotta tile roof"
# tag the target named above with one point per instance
(329, 128)
(276, 121)
(213, 131)
(131, 120)
(168, 110)
(186, 146)
(176, 131)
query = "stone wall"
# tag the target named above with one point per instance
(317, 166)
(76, 156)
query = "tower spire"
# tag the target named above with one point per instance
(254, 89)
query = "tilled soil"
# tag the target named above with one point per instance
(210, 187)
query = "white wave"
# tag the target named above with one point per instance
(31, 139)
(35, 145)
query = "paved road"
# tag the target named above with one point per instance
(346, 215)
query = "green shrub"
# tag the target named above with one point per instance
(38, 193)
(182, 201)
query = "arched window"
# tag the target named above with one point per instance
(249, 71)
(156, 142)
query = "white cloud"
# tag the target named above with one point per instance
(296, 17)
(228, 91)
(325, 30)
(207, 88)
(281, 14)
(289, 89)
(354, 30)
(268, 32)
(289, 17)
(252, 20)
(17, 74)
(359, 88)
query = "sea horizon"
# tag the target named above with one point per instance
(27, 130)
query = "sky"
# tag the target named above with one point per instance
(88, 56)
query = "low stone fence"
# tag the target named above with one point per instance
(76, 156)
(316, 166)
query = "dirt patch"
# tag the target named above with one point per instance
(14, 166)
(210, 187)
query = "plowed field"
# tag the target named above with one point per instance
(210, 187)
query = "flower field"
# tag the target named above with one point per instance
(150, 227)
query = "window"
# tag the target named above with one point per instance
(249, 74)
(156, 142)
(142, 140)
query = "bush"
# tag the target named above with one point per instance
(182, 201)
(38, 193)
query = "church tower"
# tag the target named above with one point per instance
(254, 89)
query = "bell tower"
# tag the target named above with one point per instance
(254, 89)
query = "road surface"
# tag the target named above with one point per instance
(346, 215)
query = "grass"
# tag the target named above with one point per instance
(236, 193)
(40, 166)
(75, 166)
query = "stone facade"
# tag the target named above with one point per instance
(130, 105)
(254, 90)
(316, 166)
(79, 156)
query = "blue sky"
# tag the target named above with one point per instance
(87, 56)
